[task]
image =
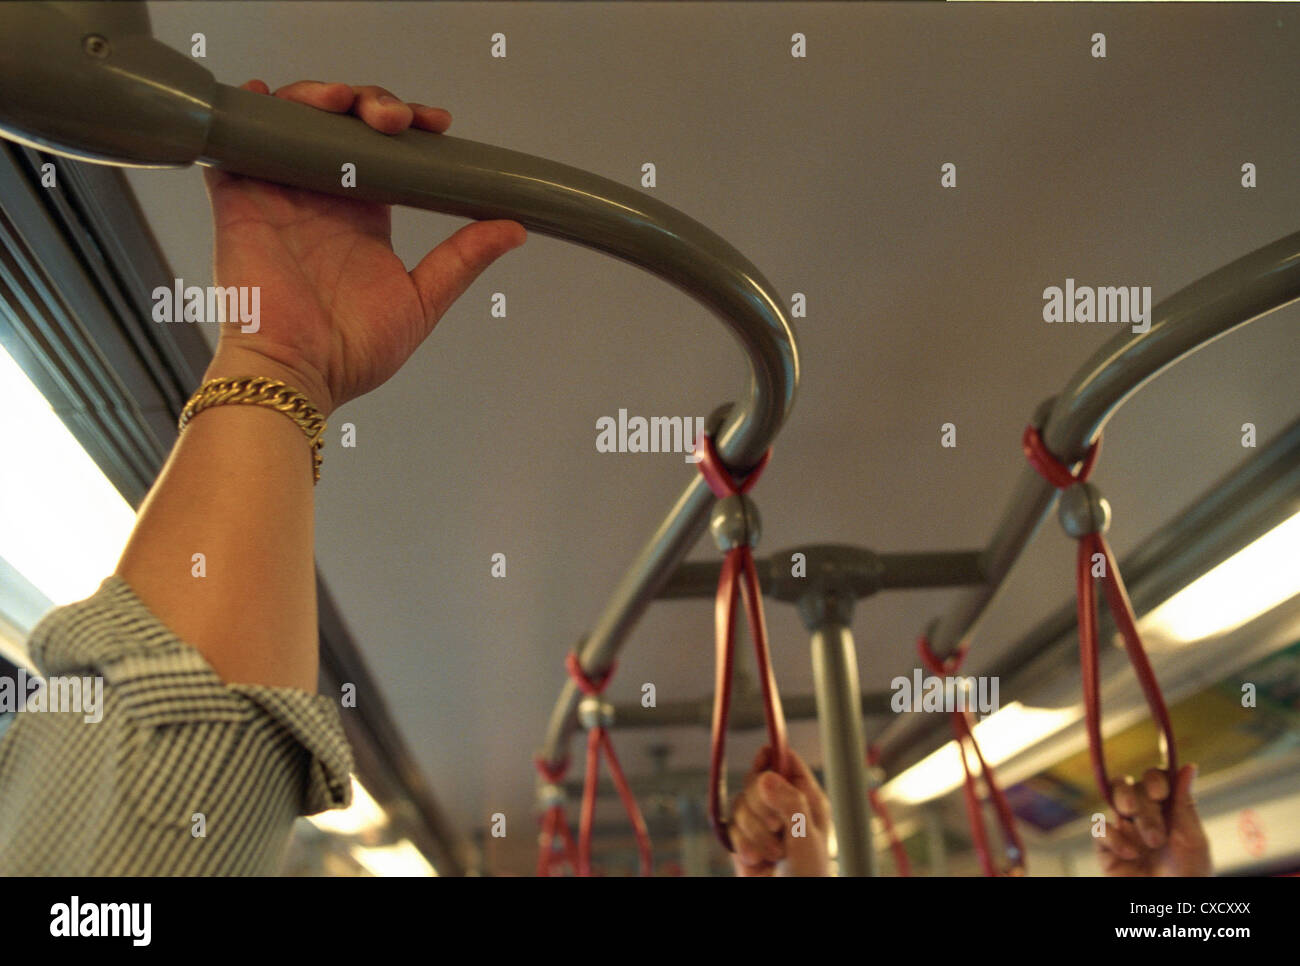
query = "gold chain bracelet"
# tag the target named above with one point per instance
(262, 391)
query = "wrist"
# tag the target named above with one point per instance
(232, 361)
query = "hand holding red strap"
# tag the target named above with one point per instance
(1086, 518)
(965, 735)
(553, 821)
(739, 574)
(901, 861)
(598, 739)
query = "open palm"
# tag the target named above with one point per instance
(338, 307)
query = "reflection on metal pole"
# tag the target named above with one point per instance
(839, 719)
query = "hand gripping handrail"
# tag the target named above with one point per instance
(89, 81)
(1241, 292)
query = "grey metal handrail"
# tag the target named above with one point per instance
(1193, 317)
(89, 81)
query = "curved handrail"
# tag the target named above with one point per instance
(1239, 293)
(131, 101)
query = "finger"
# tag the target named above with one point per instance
(806, 852)
(336, 98)
(796, 767)
(427, 118)
(1146, 815)
(1124, 796)
(443, 275)
(1131, 802)
(744, 869)
(800, 775)
(771, 818)
(1120, 841)
(781, 796)
(1156, 783)
(1114, 865)
(745, 848)
(760, 840)
(381, 110)
(256, 86)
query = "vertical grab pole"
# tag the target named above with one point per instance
(839, 723)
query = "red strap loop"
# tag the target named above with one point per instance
(590, 685)
(739, 575)
(1011, 841)
(949, 665)
(553, 822)
(966, 742)
(1049, 467)
(901, 862)
(1121, 609)
(715, 473)
(1090, 662)
(598, 739)
(553, 774)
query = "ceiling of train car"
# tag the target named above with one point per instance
(924, 307)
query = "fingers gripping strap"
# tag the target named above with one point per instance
(598, 740)
(739, 576)
(1093, 545)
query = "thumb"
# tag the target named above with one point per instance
(445, 273)
(805, 844)
(801, 777)
(806, 855)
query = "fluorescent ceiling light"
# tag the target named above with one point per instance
(363, 815)
(1251, 582)
(62, 523)
(1001, 736)
(402, 859)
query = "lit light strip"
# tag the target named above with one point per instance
(1251, 582)
(1001, 736)
(402, 859)
(363, 815)
(62, 523)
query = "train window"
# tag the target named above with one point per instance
(62, 523)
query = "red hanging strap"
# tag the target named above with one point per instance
(1121, 609)
(738, 575)
(966, 744)
(553, 822)
(598, 739)
(1049, 467)
(901, 861)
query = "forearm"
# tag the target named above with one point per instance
(237, 489)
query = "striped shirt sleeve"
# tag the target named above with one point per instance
(167, 770)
